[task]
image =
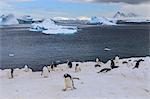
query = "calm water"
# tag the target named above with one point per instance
(18, 46)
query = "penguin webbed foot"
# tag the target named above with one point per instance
(64, 89)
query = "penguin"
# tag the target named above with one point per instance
(129, 64)
(97, 60)
(45, 72)
(97, 63)
(49, 68)
(53, 66)
(104, 70)
(113, 65)
(117, 61)
(10, 73)
(26, 69)
(77, 68)
(68, 82)
(69, 63)
(138, 63)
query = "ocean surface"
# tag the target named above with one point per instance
(19, 46)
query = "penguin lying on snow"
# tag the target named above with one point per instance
(69, 83)
(104, 70)
(138, 63)
(112, 66)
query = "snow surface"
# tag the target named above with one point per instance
(49, 27)
(101, 21)
(121, 83)
(8, 19)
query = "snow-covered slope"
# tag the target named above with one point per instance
(120, 83)
(8, 19)
(100, 21)
(49, 27)
(125, 15)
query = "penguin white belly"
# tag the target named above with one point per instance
(68, 83)
(45, 72)
(78, 69)
(9, 74)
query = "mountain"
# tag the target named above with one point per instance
(123, 15)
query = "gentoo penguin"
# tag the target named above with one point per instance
(45, 72)
(69, 83)
(53, 66)
(97, 63)
(10, 73)
(69, 63)
(26, 69)
(129, 64)
(117, 61)
(77, 68)
(137, 63)
(113, 65)
(104, 70)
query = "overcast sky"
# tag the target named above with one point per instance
(74, 8)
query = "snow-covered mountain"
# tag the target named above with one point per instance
(100, 21)
(8, 19)
(124, 15)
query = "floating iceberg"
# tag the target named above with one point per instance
(27, 19)
(100, 21)
(49, 27)
(8, 19)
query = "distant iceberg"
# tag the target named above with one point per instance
(49, 27)
(8, 19)
(27, 19)
(100, 21)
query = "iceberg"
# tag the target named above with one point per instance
(49, 27)
(27, 19)
(8, 19)
(100, 21)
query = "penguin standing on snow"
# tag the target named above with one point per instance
(129, 63)
(137, 63)
(113, 65)
(77, 68)
(26, 69)
(69, 64)
(45, 72)
(69, 83)
(117, 61)
(53, 66)
(97, 63)
(10, 73)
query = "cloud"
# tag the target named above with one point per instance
(111, 1)
(140, 9)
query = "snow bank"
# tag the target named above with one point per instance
(101, 21)
(8, 19)
(49, 27)
(120, 83)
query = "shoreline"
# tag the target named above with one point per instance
(128, 82)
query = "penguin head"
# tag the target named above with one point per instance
(67, 75)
